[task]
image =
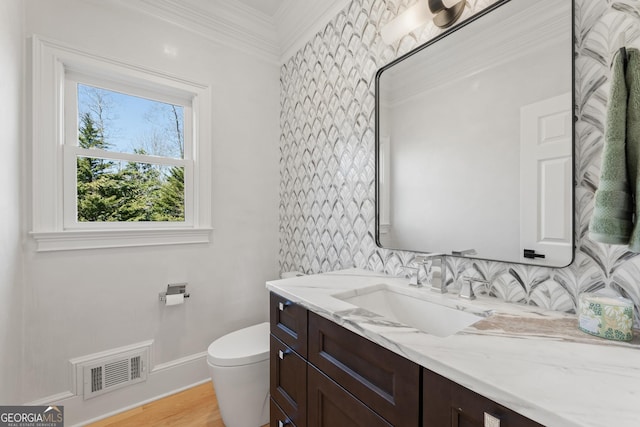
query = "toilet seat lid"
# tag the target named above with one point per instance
(242, 347)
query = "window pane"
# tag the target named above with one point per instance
(129, 124)
(113, 190)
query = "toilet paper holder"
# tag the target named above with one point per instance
(174, 289)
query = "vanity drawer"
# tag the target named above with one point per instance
(289, 323)
(288, 385)
(332, 406)
(277, 417)
(446, 403)
(378, 377)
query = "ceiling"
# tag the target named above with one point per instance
(272, 29)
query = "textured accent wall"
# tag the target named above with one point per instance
(327, 155)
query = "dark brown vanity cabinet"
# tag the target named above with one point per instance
(323, 375)
(288, 365)
(446, 403)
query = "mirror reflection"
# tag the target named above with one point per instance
(474, 139)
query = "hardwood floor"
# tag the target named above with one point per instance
(196, 407)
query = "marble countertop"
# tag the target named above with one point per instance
(532, 361)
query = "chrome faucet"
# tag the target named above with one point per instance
(466, 290)
(434, 277)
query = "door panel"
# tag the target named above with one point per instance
(546, 172)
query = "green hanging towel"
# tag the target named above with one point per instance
(633, 140)
(613, 212)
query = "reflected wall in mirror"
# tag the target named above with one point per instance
(474, 139)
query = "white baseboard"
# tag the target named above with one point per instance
(164, 379)
(46, 401)
(192, 358)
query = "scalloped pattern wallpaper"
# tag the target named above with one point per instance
(327, 193)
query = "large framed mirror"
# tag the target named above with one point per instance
(475, 139)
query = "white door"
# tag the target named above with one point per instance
(546, 202)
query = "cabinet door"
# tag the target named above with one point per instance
(446, 403)
(288, 373)
(381, 379)
(332, 406)
(289, 323)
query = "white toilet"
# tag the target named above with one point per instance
(239, 367)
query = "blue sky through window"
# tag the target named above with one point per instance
(132, 123)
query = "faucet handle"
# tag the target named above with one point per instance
(415, 276)
(466, 290)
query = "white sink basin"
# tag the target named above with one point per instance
(412, 309)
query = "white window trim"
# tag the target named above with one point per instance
(50, 60)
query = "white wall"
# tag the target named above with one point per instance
(81, 302)
(11, 71)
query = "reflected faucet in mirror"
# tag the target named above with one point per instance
(465, 252)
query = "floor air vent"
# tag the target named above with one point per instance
(104, 373)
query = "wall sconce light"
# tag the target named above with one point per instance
(443, 13)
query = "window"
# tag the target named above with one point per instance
(124, 156)
(121, 157)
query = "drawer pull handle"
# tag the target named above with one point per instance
(282, 354)
(283, 305)
(284, 423)
(491, 421)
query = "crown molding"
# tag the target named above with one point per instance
(232, 23)
(297, 21)
(229, 23)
